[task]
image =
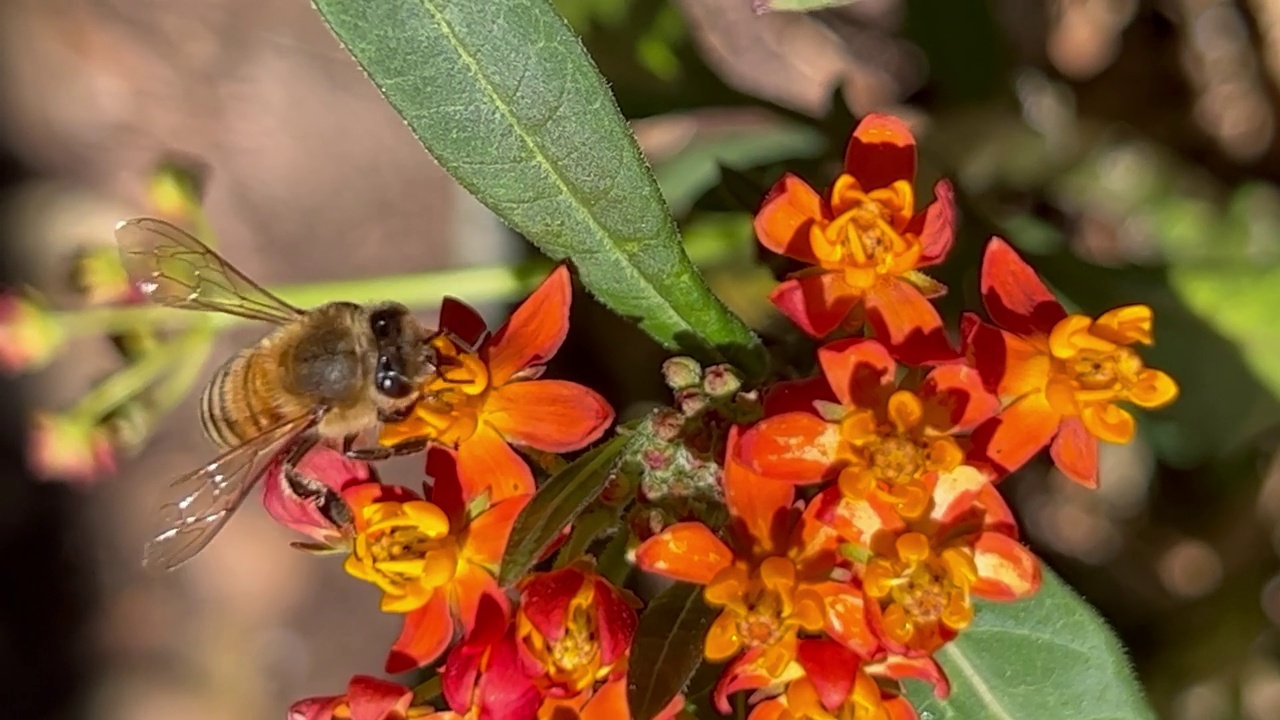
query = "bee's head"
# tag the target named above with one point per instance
(405, 359)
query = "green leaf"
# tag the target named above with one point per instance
(505, 98)
(1050, 657)
(667, 649)
(590, 526)
(556, 504)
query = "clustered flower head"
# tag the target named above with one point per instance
(856, 520)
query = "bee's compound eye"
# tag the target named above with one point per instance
(394, 385)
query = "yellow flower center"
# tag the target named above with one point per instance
(1092, 367)
(406, 550)
(452, 399)
(921, 588)
(868, 238)
(763, 607)
(574, 660)
(890, 459)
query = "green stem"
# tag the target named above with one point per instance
(418, 290)
(135, 378)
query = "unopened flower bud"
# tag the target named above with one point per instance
(64, 449)
(681, 372)
(721, 381)
(99, 275)
(29, 335)
(691, 401)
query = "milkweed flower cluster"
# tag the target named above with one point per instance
(842, 526)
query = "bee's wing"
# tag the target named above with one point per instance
(173, 268)
(196, 506)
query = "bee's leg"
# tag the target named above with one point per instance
(328, 502)
(374, 454)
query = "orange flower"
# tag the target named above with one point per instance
(1060, 377)
(434, 560)
(575, 626)
(487, 395)
(920, 576)
(879, 440)
(775, 587)
(867, 243)
(367, 698)
(829, 682)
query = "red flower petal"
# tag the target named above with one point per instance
(927, 669)
(545, 597)
(907, 323)
(447, 487)
(461, 321)
(955, 399)
(505, 691)
(955, 494)
(325, 465)
(1013, 294)
(487, 462)
(742, 673)
(856, 369)
(761, 505)
(816, 303)
(616, 621)
(1007, 570)
(426, 634)
(316, 708)
(783, 221)
(937, 225)
(458, 677)
(686, 551)
(1075, 452)
(796, 395)
(1014, 436)
(371, 698)
(831, 668)
(797, 447)
(535, 330)
(1010, 365)
(551, 415)
(881, 151)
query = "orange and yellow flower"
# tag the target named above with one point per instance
(920, 576)
(434, 559)
(879, 439)
(776, 587)
(487, 394)
(829, 682)
(1060, 377)
(866, 242)
(577, 627)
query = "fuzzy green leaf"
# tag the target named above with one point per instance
(1049, 657)
(506, 99)
(667, 649)
(557, 503)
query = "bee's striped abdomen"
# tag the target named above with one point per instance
(239, 402)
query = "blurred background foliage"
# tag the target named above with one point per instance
(1128, 147)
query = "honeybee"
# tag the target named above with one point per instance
(327, 374)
